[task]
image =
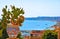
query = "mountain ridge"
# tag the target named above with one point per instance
(44, 18)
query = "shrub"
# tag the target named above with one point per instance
(49, 34)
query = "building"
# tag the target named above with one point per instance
(36, 34)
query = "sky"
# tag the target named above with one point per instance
(34, 8)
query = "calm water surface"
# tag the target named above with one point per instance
(36, 24)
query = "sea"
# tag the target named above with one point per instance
(37, 24)
(30, 24)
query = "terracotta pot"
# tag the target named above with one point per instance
(12, 31)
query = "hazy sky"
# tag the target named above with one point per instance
(34, 8)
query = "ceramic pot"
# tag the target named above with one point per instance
(12, 31)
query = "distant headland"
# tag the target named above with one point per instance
(44, 18)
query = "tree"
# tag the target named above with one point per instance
(49, 34)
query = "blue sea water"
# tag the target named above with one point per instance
(37, 24)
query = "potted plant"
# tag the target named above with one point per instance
(12, 19)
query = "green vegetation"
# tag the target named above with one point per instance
(50, 34)
(19, 36)
(9, 16)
